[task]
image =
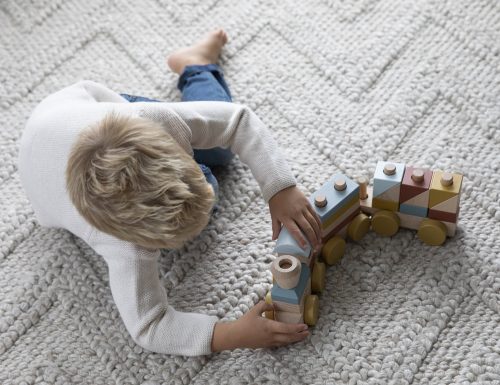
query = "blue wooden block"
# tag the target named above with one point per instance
(413, 210)
(335, 199)
(294, 295)
(383, 182)
(286, 244)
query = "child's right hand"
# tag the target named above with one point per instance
(254, 331)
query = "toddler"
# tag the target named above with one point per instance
(130, 175)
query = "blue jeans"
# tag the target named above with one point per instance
(199, 83)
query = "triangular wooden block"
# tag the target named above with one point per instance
(421, 200)
(391, 194)
(449, 206)
(380, 186)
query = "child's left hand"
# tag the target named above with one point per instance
(291, 208)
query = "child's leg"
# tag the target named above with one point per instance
(206, 82)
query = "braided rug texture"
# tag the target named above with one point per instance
(341, 85)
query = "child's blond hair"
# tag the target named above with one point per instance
(129, 178)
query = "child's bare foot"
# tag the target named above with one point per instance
(206, 51)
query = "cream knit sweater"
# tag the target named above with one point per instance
(133, 272)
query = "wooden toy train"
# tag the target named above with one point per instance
(402, 196)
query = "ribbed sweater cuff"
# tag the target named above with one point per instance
(278, 184)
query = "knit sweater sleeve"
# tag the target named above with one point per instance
(233, 126)
(142, 301)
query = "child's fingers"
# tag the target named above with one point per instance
(285, 339)
(261, 307)
(314, 224)
(314, 214)
(276, 228)
(307, 229)
(284, 328)
(296, 233)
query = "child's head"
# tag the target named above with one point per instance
(129, 178)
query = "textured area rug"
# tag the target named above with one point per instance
(341, 85)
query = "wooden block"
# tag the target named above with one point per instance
(340, 219)
(385, 205)
(412, 186)
(286, 244)
(409, 221)
(449, 205)
(295, 294)
(383, 181)
(413, 210)
(289, 318)
(286, 271)
(439, 192)
(353, 202)
(443, 216)
(421, 200)
(391, 194)
(335, 198)
(289, 307)
(340, 226)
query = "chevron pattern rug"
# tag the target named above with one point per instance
(341, 85)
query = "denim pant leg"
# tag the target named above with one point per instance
(206, 83)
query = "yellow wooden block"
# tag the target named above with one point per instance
(385, 205)
(385, 223)
(311, 310)
(449, 205)
(328, 222)
(432, 232)
(438, 192)
(359, 227)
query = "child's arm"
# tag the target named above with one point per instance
(143, 304)
(158, 327)
(234, 126)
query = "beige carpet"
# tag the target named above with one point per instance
(341, 84)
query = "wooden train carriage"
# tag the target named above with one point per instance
(337, 205)
(413, 198)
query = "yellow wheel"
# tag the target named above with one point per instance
(333, 250)
(359, 227)
(311, 310)
(318, 277)
(432, 232)
(385, 223)
(270, 313)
